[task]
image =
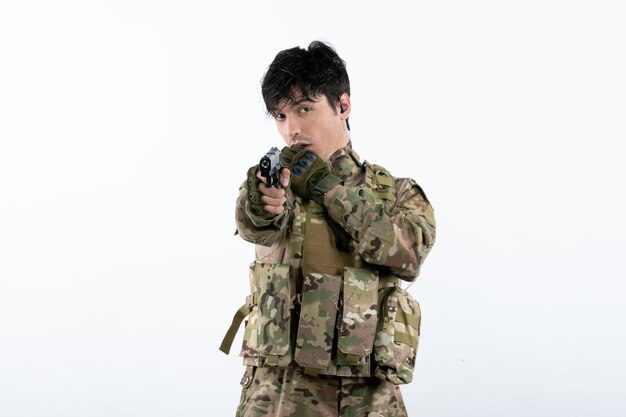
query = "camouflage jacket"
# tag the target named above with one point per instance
(322, 278)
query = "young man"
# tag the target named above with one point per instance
(329, 330)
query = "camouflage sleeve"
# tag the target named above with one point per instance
(258, 229)
(400, 238)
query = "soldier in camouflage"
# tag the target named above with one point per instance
(329, 330)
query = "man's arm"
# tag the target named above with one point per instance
(263, 224)
(400, 238)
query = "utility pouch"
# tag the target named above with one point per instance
(318, 314)
(359, 317)
(397, 337)
(274, 313)
(249, 348)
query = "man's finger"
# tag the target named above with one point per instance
(274, 209)
(261, 177)
(272, 192)
(285, 175)
(278, 201)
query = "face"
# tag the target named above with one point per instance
(314, 124)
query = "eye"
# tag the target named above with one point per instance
(279, 116)
(305, 109)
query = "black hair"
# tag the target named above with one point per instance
(313, 71)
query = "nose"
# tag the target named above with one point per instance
(292, 129)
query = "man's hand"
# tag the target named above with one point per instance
(274, 198)
(312, 178)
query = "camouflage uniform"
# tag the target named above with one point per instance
(326, 305)
(289, 392)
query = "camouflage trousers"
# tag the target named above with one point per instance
(276, 392)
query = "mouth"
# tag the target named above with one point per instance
(300, 145)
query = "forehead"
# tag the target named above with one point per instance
(296, 98)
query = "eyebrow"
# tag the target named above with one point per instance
(300, 101)
(294, 103)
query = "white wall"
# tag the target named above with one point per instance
(127, 126)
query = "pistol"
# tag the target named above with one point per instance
(270, 167)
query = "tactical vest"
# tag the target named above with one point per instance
(340, 316)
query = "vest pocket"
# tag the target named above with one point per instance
(249, 348)
(249, 345)
(359, 316)
(318, 314)
(397, 337)
(274, 313)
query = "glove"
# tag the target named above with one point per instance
(310, 176)
(253, 195)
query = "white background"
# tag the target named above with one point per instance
(127, 126)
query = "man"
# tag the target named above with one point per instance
(329, 330)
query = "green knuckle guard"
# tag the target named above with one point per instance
(253, 195)
(310, 176)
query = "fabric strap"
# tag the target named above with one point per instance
(241, 314)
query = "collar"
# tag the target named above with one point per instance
(345, 162)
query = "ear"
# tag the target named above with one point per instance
(345, 106)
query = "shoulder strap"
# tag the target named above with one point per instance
(227, 342)
(381, 182)
(239, 316)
